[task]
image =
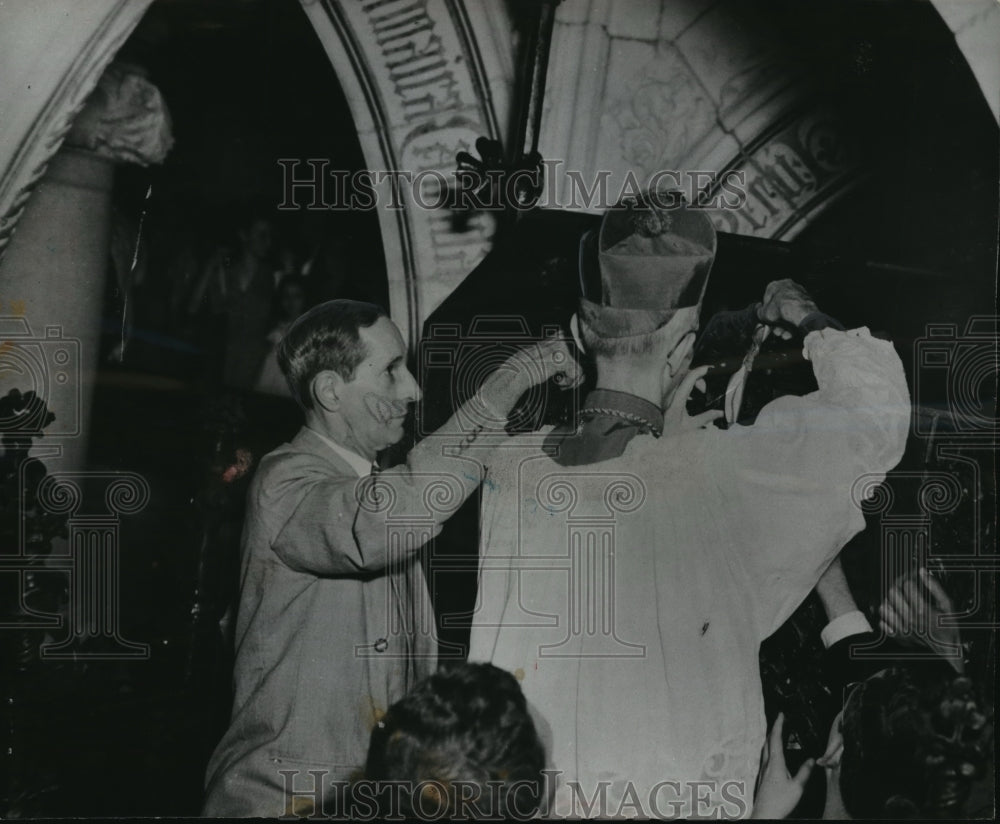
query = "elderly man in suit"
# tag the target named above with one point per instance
(333, 625)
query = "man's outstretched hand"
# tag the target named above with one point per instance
(785, 304)
(675, 416)
(911, 614)
(528, 367)
(778, 791)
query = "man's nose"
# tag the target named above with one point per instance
(411, 389)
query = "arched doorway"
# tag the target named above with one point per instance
(425, 79)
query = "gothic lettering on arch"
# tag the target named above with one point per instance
(455, 250)
(415, 57)
(417, 83)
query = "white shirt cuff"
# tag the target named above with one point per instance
(850, 623)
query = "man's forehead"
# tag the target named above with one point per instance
(384, 341)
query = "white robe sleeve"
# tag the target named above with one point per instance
(798, 473)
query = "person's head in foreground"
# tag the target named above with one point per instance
(345, 363)
(460, 745)
(643, 276)
(911, 742)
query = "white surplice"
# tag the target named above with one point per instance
(630, 596)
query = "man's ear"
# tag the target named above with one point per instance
(325, 389)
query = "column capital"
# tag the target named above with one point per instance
(125, 119)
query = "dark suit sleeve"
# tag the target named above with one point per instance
(726, 333)
(841, 668)
(815, 321)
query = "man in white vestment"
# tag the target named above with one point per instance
(630, 569)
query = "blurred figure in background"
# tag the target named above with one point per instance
(290, 302)
(912, 742)
(913, 737)
(239, 286)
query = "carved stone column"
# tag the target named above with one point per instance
(53, 273)
(53, 277)
(53, 56)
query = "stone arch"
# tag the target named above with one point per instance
(420, 87)
(690, 86)
(976, 26)
(44, 88)
(425, 78)
(703, 85)
(420, 90)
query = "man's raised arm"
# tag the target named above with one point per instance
(339, 526)
(817, 454)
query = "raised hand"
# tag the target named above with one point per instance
(556, 361)
(530, 366)
(911, 614)
(785, 304)
(778, 792)
(675, 416)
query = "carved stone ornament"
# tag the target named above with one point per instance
(125, 119)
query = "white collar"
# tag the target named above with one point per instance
(360, 465)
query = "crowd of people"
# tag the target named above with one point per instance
(630, 567)
(209, 303)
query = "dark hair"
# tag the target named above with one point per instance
(466, 726)
(325, 337)
(915, 741)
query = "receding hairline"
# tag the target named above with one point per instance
(298, 356)
(332, 306)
